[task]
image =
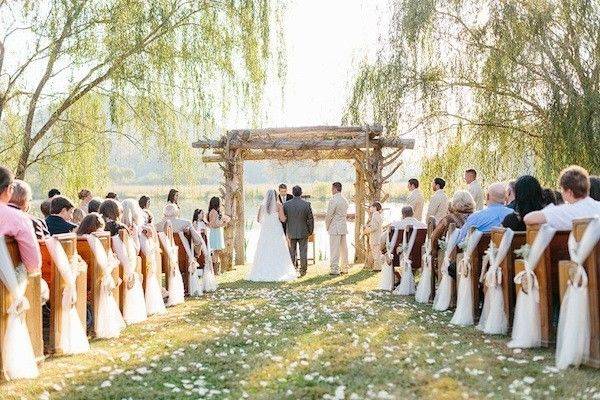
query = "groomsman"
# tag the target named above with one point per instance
(283, 197)
(474, 188)
(415, 198)
(335, 222)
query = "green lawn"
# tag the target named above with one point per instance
(320, 337)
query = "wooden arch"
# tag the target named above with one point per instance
(364, 145)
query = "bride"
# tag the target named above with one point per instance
(272, 262)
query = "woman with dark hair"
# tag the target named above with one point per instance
(198, 221)
(111, 211)
(173, 196)
(144, 203)
(529, 196)
(216, 222)
(93, 222)
(595, 187)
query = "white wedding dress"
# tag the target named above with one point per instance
(272, 262)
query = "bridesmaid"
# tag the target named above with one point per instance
(216, 222)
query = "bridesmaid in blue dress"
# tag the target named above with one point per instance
(216, 222)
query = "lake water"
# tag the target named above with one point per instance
(391, 212)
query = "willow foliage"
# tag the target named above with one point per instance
(157, 73)
(513, 84)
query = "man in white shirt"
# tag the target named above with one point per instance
(438, 204)
(575, 185)
(415, 198)
(474, 188)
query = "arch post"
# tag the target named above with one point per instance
(359, 221)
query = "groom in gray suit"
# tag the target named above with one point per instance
(300, 225)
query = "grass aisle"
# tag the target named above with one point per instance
(320, 337)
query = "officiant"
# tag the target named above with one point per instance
(282, 198)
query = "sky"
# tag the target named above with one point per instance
(326, 40)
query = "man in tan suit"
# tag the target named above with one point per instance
(415, 198)
(335, 222)
(438, 204)
(474, 188)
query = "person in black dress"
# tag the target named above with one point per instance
(528, 197)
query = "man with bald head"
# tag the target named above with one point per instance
(492, 215)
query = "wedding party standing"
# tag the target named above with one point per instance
(272, 262)
(300, 225)
(216, 222)
(335, 222)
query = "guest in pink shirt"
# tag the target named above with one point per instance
(17, 224)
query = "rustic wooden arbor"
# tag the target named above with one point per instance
(364, 145)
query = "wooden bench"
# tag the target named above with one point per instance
(165, 255)
(547, 273)
(435, 248)
(125, 238)
(94, 275)
(416, 251)
(507, 266)
(56, 286)
(183, 258)
(33, 316)
(592, 268)
(476, 262)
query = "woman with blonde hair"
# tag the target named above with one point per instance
(461, 206)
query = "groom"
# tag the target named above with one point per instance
(300, 225)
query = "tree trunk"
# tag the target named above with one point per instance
(23, 161)
(239, 220)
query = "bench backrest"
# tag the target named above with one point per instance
(94, 275)
(57, 285)
(507, 266)
(33, 316)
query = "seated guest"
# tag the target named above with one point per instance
(21, 200)
(53, 192)
(408, 218)
(461, 206)
(559, 198)
(85, 196)
(575, 184)
(595, 187)
(144, 203)
(111, 211)
(93, 222)
(61, 215)
(78, 215)
(45, 208)
(438, 204)
(528, 198)
(170, 214)
(491, 216)
(112, 195)
(94, 205)
(16, 224)
(510, 195)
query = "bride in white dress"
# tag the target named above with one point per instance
(272, 262)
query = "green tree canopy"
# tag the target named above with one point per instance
(513, 86)
(77, 76)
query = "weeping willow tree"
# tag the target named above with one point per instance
(77, 76)
(507, 86)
